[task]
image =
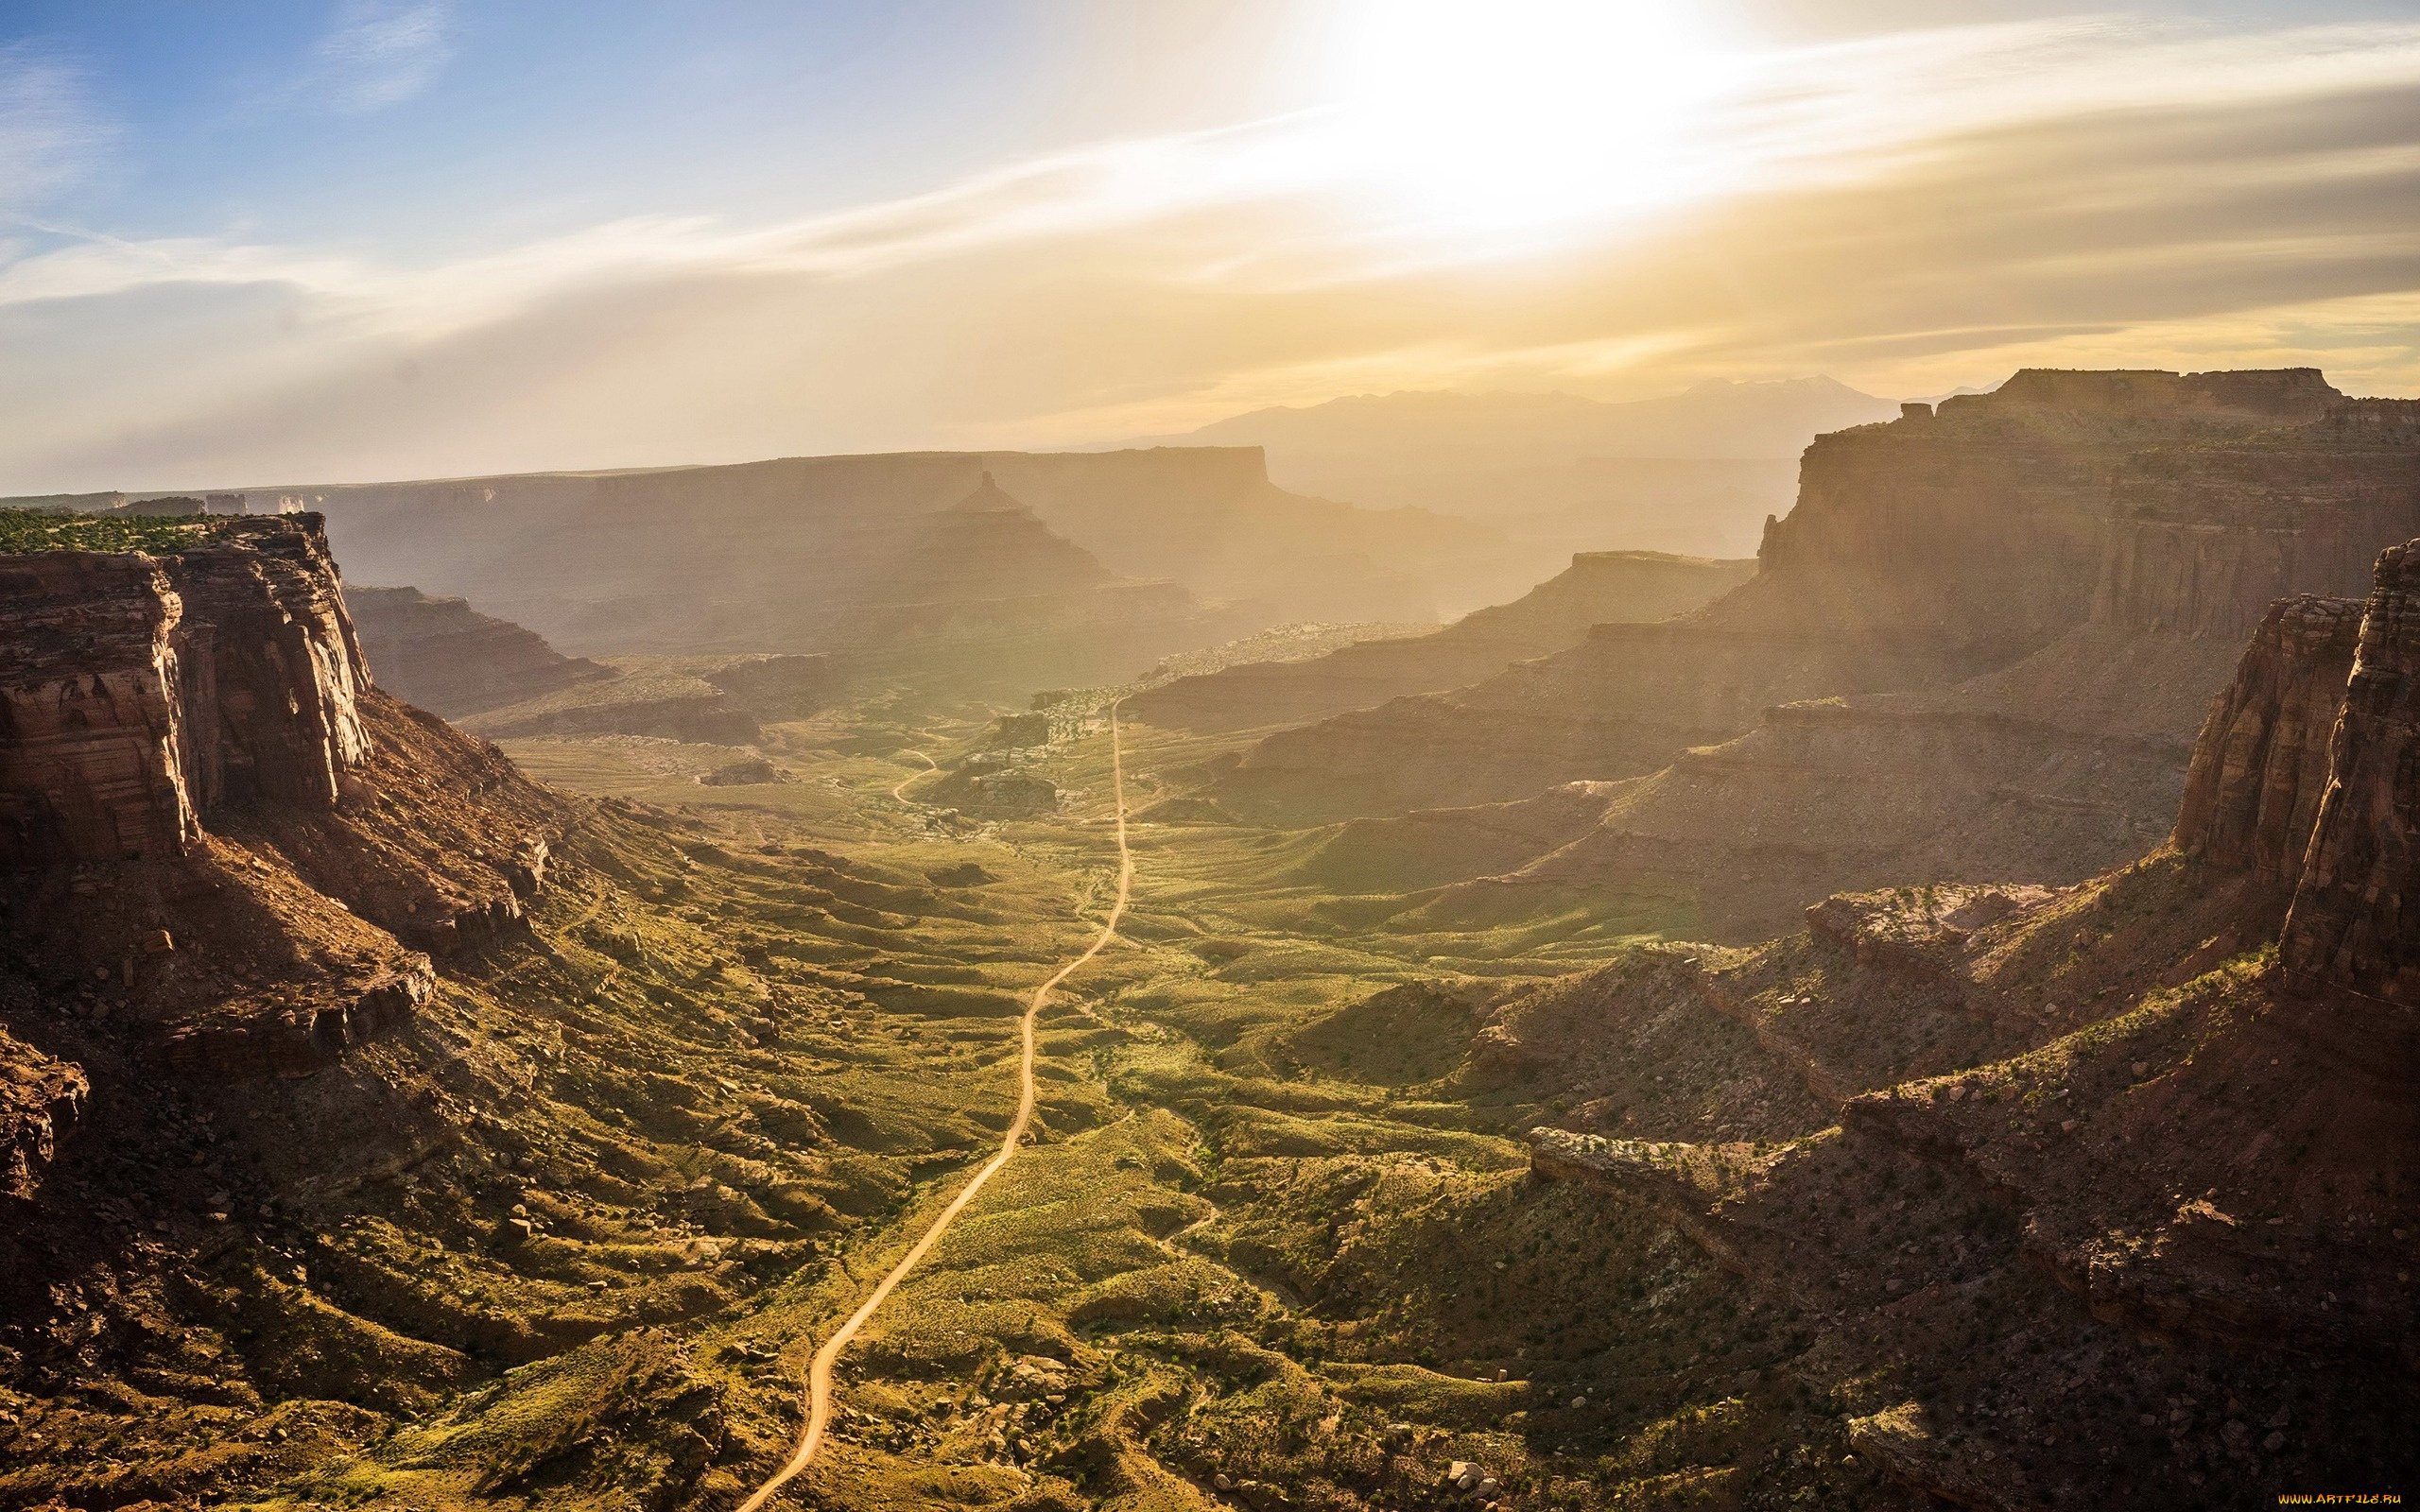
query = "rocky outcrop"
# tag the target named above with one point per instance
(2350, 926)
(713, 701)
(298, 1039)
(38, 1095)
(2260, 766)
(1600, 587)
(141, 691)
(778, 686)
(448, 658)
(638, 697)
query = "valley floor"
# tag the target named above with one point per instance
(1275, 1239)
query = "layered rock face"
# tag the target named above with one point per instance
(200, 816)
(2205, 538)
(141, 693)
(1600, 587)
(2260, 768)
(1986, 518)
(448, 658)
(2350, 926)
(1935, 548)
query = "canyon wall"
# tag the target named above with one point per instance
(771, 555)
(220, 839)
(1930, 550)
(447, 657)
(2205, 538)
(2349, 926)
(2065, 762)
(1986, 520)
(139, 693)
(1599, 587)
(2253, 791)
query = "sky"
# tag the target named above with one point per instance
(341, 240)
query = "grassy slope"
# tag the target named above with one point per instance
(1276, 1244)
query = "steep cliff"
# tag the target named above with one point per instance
(2067, 1179)
(2253, 792)
(1599, 587)
(449, 658)
(2205, 538)
(221, 837)
(2046, 520)
(140, 694)
(2349, 927)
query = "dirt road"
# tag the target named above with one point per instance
(818, 1373)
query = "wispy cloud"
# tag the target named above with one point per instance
(1121, 184)
(48, 131)
(378, 53)
(1911, 213)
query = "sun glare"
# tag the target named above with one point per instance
(1516, 118)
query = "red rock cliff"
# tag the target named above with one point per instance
(2204, 537)
(2260, 768)
(140, 692)
(2349, 926)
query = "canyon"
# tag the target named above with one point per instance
(1599, 588)
(2088, 550)
(772, 555)
(2109, 1062)
(451, 659)
(1920, 1021)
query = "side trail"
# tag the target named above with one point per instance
(818, 1375)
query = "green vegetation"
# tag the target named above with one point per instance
(1270, 1246)
(29, 530)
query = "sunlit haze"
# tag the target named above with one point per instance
(411, 238)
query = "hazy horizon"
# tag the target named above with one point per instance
(387, 239)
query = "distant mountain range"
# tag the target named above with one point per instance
(1693, 472)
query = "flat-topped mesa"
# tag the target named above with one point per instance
(141, 689)
(2279, 395)
(2355, 922)
(1988, 519)
(2260, 768)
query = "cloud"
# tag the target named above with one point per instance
(48, 132)
(1910, 214)
(377, 53)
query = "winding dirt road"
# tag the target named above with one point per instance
(899, 794)
(818, 1373)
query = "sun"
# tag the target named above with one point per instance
(1516, 118)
